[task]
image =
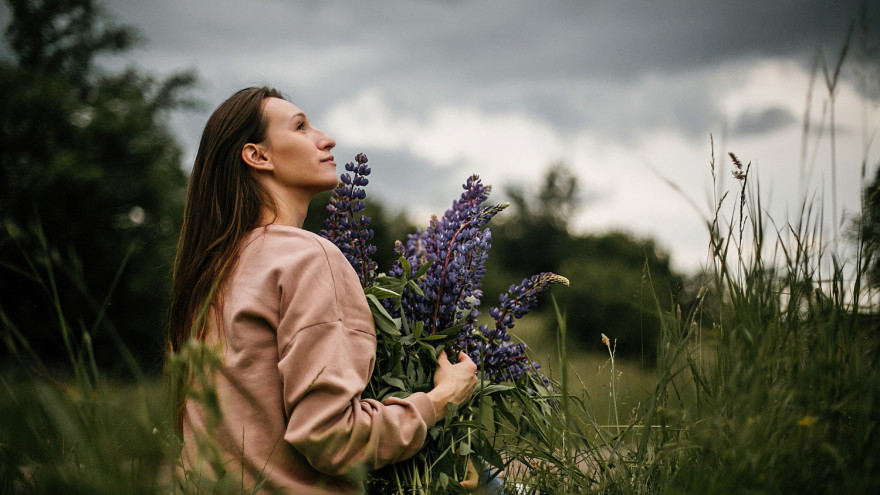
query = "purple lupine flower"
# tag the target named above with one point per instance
(458, 247)
(491, 348)
(345, 227)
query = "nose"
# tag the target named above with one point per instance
(325, 142)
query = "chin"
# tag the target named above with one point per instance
(329, 186)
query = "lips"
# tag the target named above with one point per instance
(330, 159)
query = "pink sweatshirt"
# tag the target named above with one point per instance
(298, 347)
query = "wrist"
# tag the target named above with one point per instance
(439, 399)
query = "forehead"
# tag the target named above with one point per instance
(277, 109)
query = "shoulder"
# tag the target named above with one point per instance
(315, 281)
(284, 246)
(291, 255)
(284, 235)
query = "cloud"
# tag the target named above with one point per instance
(762, 121)
(461, 139)
(435, 90)
(620, 66)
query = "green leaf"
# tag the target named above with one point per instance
(442, 480)
(384, 321)
(432, 351)
(423, 269)
(451, 412)
(464, 448)
(445, 335)
(434, 432)
(394, 284)
(394, 382)
(489, 454)
(452, 331)
(381, 292)
(418, 328)
(411, 284)
(438, 339)
(484, 389)
(407, 267)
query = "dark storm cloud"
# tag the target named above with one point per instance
(574, 64)
(762, 121)
(496, 41)
(454, 42)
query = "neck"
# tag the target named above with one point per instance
(289, 210)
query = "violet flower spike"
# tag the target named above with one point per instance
(345, 227)
(458, 247)
(491, 348)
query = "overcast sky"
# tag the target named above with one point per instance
(626, 93)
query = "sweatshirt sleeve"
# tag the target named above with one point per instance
(327, 349)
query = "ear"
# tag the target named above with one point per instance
(256, 157)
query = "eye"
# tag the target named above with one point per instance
(301, 126)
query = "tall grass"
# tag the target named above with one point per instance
(767, 382)
(770, 382)
(75, 431)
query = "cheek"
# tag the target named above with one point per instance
(290, 156)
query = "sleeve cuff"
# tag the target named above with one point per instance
(424, 406)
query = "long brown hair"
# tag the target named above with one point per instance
(224, 202)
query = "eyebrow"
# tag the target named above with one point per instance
(298, 114)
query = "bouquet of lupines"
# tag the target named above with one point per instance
(429, 301)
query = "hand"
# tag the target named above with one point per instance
(452, 382)
(472, 478)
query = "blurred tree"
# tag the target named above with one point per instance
(867, 229)
(617, 282)
(90, 184)
(535, 229)
(615, 276)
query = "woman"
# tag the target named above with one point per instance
(287, 315)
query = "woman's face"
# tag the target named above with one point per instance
(299, 153)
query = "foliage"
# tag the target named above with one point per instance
(867, 230)
(84, 434)
(87, 162)
(536, 237)
(610, 289)
(768, 384)
(616, 278)
(774, 391)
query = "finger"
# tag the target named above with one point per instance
(441, 358)
(469, 485)
(463, 358)
(472, 477)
